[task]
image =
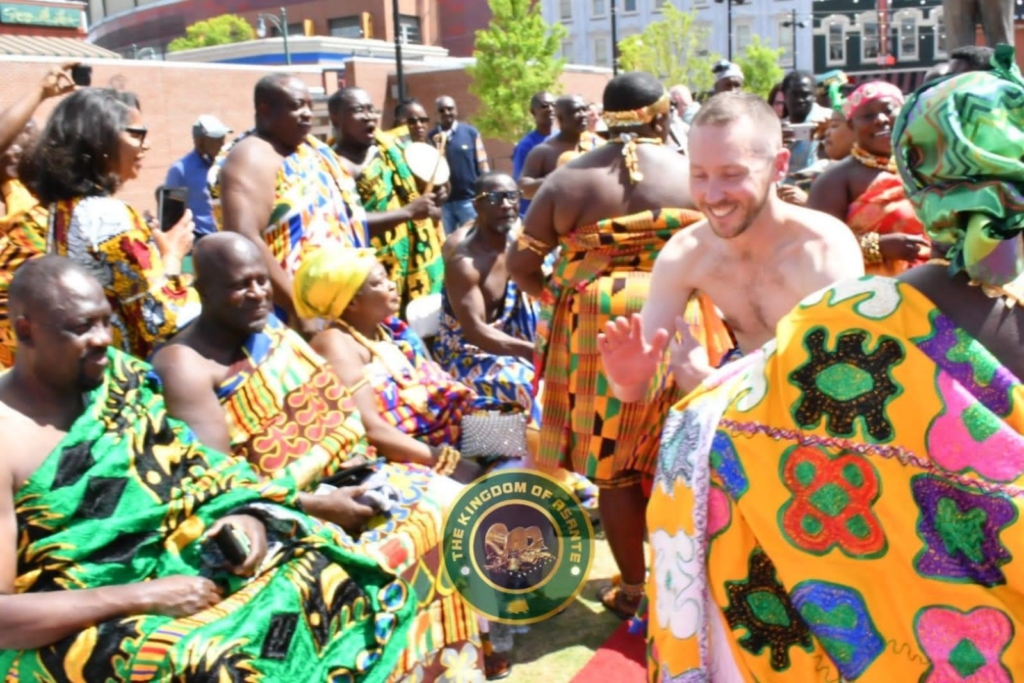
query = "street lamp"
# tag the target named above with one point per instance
(282, 27)
(399, 75)
(795, 25)
(144, 53)
(728, 19)
(615, 41)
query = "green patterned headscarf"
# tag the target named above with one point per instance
(960, 152)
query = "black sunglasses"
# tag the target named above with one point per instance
(417, 119)
(496, 198)
(139, 132)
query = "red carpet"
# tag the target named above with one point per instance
(622, 659)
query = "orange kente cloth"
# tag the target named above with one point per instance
(884, 208)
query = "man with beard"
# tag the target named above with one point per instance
(403, 224)
(284, 189)
(542, 108)
(572, 140)
(611, 211)
(754, 255)
(488, 325)
(864, 191)
(108, 509)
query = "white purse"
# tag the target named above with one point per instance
(494, 433)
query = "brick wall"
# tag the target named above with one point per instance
(172, 97)
(174, 94)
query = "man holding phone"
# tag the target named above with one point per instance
(805, 115)
(191, 171)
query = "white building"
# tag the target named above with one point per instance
(589, 25)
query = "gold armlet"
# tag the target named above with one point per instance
(870, 248)
(527, 243)
(447, 461)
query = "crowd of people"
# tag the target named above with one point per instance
(776, 339)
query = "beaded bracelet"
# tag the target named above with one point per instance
(869, 246)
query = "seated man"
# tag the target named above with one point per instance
(107, 507)
(488, 324)
(250, 386)
(845, 504)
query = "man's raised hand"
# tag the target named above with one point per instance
(629, 361)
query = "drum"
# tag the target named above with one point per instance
(427, 164)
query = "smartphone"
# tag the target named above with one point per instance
(81, 74)
(803, 131)
(230, 546)
(351, 476)
(171, 203)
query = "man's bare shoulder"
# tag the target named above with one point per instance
(250, 152)
(179, 361)
(689, 242)
(818, 224)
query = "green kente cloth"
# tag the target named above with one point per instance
(960, 152)
(127, 495)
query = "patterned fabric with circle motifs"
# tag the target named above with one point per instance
(127, 495)
(843, 504)
(287, 412)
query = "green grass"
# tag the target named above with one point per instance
(555, 650)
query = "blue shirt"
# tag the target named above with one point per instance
(190, 171)
(523, 148)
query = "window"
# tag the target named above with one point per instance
(567, 52)
(786, 39)
(565, 10)
(743, 33)
(597, 8)
(703, 39)
(409, 25)
(908, 36)
(941, 41)
(658, 4)
(345, 27)
(298, 29)
(836, 39)
(628, 6)
(870, 45)
(601, 52)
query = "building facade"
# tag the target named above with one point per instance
(43, 18)
(127, 26)
(460, 20)
(589, 25)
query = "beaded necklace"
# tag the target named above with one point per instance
(871, 161)
(402, 377)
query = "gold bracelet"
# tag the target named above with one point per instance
(528, 243)
(870, 248)
(447, 461)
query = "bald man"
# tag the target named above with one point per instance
(284, 189)
(571, 140)
(108, 508)
(218, 369)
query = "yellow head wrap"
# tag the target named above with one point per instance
(328, 280)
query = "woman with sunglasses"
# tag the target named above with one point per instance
(94, 142)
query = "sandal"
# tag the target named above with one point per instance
(621, 599)
(496, 666)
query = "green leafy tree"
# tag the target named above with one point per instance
(227, 28)
(760, 64)
(516, 56)
(673, 49)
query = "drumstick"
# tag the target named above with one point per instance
(437, 164)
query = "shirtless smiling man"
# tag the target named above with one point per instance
(755, 255)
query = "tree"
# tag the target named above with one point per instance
(227, 28)
(760, 64)
(673, 49)
(516, 57)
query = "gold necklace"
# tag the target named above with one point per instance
(629, 141)
(871, 161)
(1012, 292)
(402, 378)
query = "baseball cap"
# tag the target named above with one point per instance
(209, 126)
(726, 69)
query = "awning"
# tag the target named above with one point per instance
(53, 47)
